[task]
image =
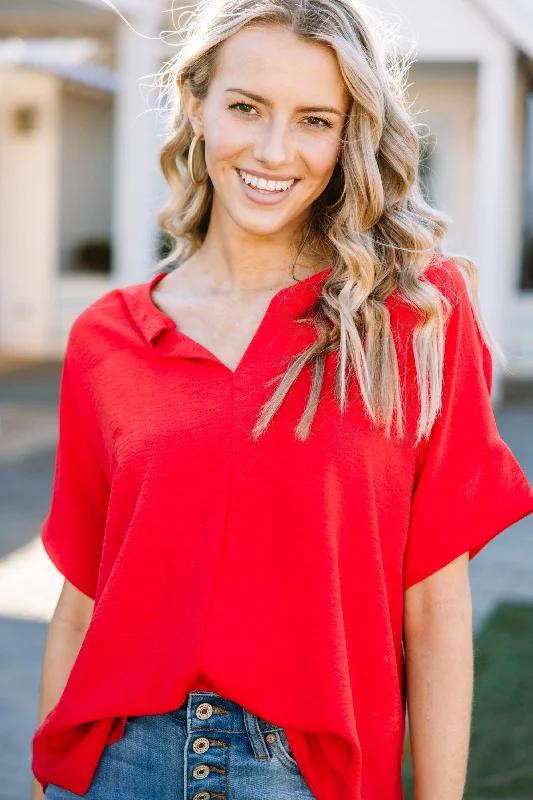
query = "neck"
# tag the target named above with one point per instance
(251, 262)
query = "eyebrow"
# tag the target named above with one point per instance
(301, 109)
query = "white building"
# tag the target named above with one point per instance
(79, 144)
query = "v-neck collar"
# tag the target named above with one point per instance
(152, 321)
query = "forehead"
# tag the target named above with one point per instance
(271, 61)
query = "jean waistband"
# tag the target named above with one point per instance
(209, 711)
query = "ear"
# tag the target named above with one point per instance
(193, 107)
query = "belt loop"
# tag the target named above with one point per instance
(255, 736)
(189, 722)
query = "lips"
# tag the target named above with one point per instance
(265, 185)
(263, 190)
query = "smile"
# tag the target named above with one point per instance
(264, 185)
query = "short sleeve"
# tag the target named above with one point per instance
(72, 533)
(468, 485)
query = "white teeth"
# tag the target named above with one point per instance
(263, 184)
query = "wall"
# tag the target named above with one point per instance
(444, 98)
(29, 208)
(518, 342)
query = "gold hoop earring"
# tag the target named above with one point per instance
(190, 165)
(338, 201)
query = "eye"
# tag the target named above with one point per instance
(318, 122)
(243, 108)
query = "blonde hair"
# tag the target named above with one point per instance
(380, 238)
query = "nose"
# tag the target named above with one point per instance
(273, 146)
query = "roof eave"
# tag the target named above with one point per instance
(510, 19)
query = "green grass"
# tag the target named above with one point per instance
(501, 750)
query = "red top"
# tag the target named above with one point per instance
(271, 572)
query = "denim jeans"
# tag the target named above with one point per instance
(210, 747)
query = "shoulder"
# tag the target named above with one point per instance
(460, 330)
(459, 316)
(105, 324)
(92, 325)
(102, 340)
(443, 274)
(98, 314)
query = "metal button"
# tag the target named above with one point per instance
(201, 796)
(201, 771)
(271, 737)
(200, 745)
(204, 711)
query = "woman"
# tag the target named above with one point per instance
(276, 460)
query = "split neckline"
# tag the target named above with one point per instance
(153, 321)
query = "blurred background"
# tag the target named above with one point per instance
(79, 192)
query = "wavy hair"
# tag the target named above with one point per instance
(379, 239)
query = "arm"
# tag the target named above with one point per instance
(439, 678)
(64, 638)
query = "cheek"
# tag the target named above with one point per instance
(224, 141)
(321, 157)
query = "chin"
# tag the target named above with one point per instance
(258, 229)
(254, 225)
(263, 222)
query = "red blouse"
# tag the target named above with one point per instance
(271, 572)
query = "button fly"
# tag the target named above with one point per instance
(204, 711)
(201, 796)
(201, 771)
(200, 745)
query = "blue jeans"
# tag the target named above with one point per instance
(210, 747)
